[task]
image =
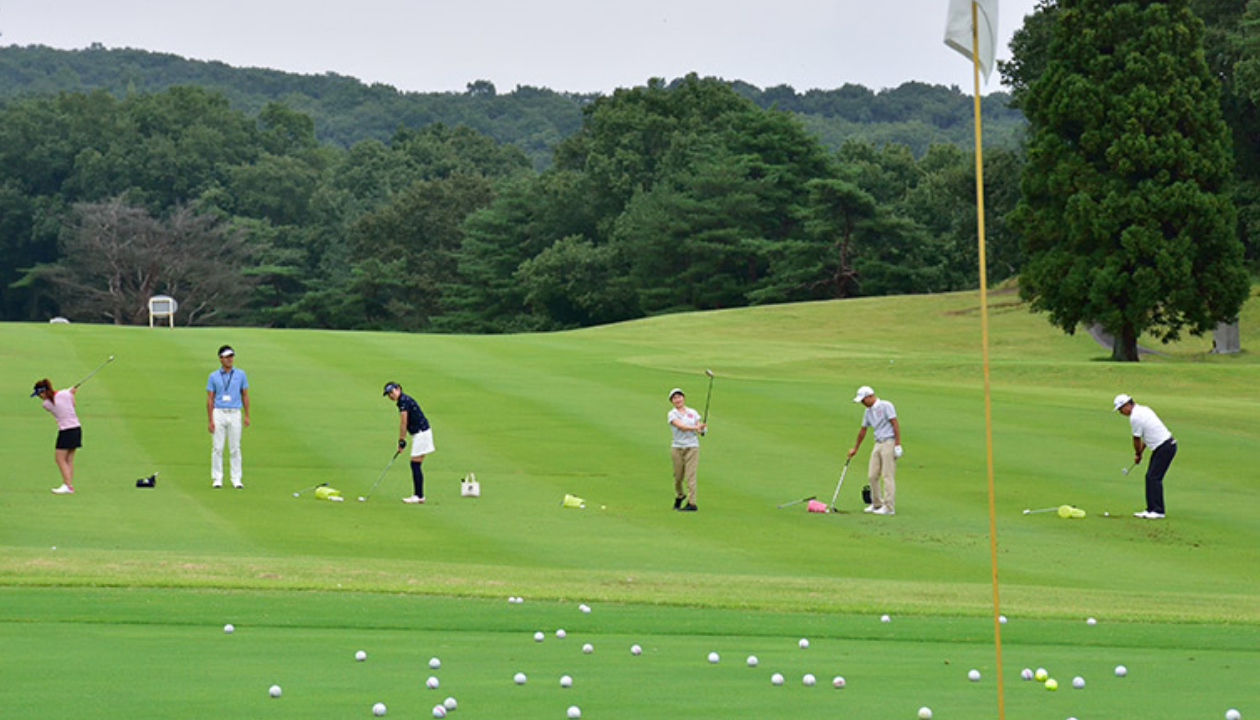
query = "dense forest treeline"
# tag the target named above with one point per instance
(346, 110)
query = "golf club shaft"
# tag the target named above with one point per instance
(306, 490)
(797, 502)
(382, 475)
(707, 397)
(1041, 510)
(836, 494)
(98, 369)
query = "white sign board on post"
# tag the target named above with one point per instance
(162, 306)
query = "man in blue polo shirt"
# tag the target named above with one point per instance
(227, 410)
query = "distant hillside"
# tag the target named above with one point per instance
(346, 110)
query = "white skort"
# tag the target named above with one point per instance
(422, 443)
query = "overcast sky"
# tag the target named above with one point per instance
(573, 45)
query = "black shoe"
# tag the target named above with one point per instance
(688, 508)
(678, 503)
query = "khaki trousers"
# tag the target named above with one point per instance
(685, 461)
(883, 464)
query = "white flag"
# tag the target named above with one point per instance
(958, 30)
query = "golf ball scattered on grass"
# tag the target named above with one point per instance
(885, 618)
(1121, 671)
(538, 636)
(561, 634)
(378, 709)
(229, 628)
(752, 661)
(714, 657)
(808, 680)
(1232, 714)
(574, 712)
(1078, 682)
(1052, 684)
(1091, 621)
(274, 691)
(837, 682)
(973, 675)
(925, 713)
(584, 608)
(1002, 619)
(566, 681)
(588, 648)
(439, 711)
(432, 683)
(636, 650)
(776, 679)
(434, 663)
(360, 656)
(803, 643)
(449, 703)
(1041, 675)
(519, 678)
(1026, 673)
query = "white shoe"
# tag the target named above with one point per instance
(1145, 515)
(869, 509)
(885, 510)
(238, 485)
(216, 484)
(1153, 515)
(414, 500)
(63, 489)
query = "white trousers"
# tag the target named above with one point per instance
(227, 427)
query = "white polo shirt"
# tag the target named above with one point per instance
(1147, 425)
(879, 418)
(684, 438)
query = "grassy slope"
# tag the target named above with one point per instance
(583, 412)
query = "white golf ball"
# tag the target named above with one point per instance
(566, 681)
(439, 711)
(837, 682)
(636, 650)
(925, 713)
(561, 634)
(432, 683)
(808, 680)
(1091, 621)
(449, 703)
(378, 709)
(1232, 714)
(434, 663)
(803, 643)
(538, 636)
(274, 691)
(752, 661)
(1002, 619)
(776, 679)
(229, 628)
(360, 656)
(973, 675)
(714, 657)
(1026, 673)
(1078, 682)
(588, 648)
(1121, 671)
(886, 618)
(575, 712)
(519, 678)
(584, 608)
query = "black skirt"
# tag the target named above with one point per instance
(70, 438)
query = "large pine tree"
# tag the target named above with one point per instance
(1126, 213)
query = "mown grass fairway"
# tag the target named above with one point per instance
(132, 600)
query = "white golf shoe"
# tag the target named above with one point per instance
(413, 500)
(885, 510)
(63, 489)
(869, 509)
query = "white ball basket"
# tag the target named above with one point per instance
(469, 487)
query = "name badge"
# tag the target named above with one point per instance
(226, 398)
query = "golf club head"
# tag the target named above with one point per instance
(709, 373)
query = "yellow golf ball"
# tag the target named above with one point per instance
(1041, 675)
(1052, 684)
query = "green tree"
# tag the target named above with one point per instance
(1125, 206)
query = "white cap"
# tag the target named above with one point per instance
(862, 392)
(1121, 400)
(676, 391)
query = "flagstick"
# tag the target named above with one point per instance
(984, 341)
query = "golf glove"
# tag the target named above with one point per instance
(402, 444)
(897, 451)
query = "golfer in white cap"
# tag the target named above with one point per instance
(1149, 432)
(685, 424)
(227, 412)
(881, 416)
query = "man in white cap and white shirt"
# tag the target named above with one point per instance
(881, 417)
(1149, 432)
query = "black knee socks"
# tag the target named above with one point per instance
(417, 479)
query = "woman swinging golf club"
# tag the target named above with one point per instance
(69, 433)
(411, 420)
(685, 423)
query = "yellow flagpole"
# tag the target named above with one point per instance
(984, 342)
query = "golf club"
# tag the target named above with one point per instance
(363, 498)
(797, 502)
(1127, 470)
(1028, 511)
(707, 397)
(303, 491)
(836, 494)
(98, 369)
